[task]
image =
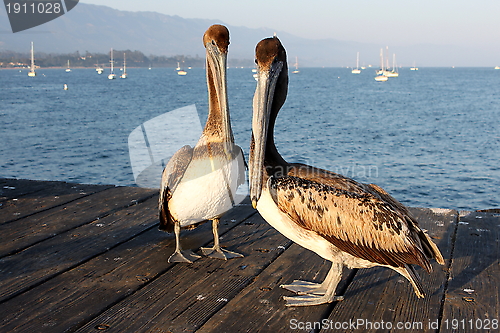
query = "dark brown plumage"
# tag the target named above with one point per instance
(349, 223)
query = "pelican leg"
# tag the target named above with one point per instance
(216, 251)
(317, 293)
(305, 287)
(180, 255)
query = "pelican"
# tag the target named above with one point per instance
(346, 222)
(199, 184)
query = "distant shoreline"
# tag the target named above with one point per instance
(42, 68)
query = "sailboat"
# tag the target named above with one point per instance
(381, 77)
(179, 70)
(112, 74)
(394, 72)
(99, 69)
(296, 66)
(124, 74)
(32, 72)
(381, 71)
(356, 70)
(414, 68)
(68, 69)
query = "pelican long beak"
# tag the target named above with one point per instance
(262, 104)
(216, 65)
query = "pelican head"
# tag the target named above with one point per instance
(217, 36)
(216, 41)
(270, 94)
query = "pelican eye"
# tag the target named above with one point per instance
(213, 42)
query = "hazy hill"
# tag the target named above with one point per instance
(98, 28)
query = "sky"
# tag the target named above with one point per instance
(387, 22)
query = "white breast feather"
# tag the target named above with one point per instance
(203, 195)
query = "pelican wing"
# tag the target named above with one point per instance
(357, 222)
(241, 167)
(325, 177)
(430, 249)
(171, 176)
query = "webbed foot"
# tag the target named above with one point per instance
(307, 300)
(305, 287)
(220, 253)
(186, 256)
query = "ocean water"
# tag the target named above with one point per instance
(431, 137)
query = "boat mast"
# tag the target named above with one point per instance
(111, 60)
(387, 58)
(32, 72)
(382, 59)
(32, 58)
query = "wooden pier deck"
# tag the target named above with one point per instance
(89, 258)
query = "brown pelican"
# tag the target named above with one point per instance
(343, 221)
(199, 184)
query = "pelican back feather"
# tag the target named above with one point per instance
(356, 221)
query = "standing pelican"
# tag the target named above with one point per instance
(199, 184)
(348, 223)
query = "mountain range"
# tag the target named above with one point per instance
(96, 28)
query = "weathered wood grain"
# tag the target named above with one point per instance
(46, 259)
(11, 188)
(44, 225)
(472, 299)
(261, 304)
(21, 198)
(95, 261)
(186, 296)
(70, 299)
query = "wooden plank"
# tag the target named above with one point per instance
(23, 233)
(44, 260)
(112, 274)
(472, 299)
(380, 295)
(13, 188)
(26, 197)
(260, 306)
(72, 298)
(186, 296)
